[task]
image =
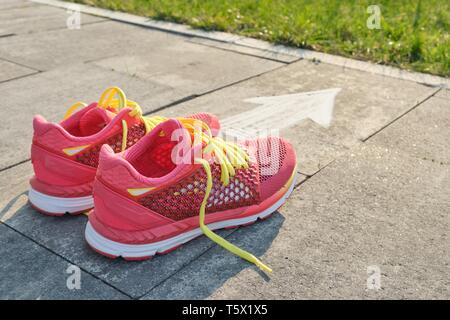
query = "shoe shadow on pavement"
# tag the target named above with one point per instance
(194, 271)
(209, 272)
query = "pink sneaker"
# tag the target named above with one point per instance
(153, 197)
(65, 155)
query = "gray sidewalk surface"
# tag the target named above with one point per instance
(372, 200)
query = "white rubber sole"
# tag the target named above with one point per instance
(59, 206)
(130, 251)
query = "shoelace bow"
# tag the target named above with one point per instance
(115, 98)
(227, 154)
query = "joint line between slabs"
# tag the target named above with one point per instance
(66, 259)
(401, 115)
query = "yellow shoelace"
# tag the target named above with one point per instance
(114, 97)
(230, 157)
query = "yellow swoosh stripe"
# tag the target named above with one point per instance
(74, 150)
(139, 191)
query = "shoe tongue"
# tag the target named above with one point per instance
(163, 133)
(95, 120)
(173, 131)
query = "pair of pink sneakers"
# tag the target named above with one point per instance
(154, 183)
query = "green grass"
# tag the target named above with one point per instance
(414, 34)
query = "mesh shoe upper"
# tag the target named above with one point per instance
(272, 162)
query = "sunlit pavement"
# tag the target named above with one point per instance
(370, 217)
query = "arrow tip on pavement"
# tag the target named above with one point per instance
(323, 115)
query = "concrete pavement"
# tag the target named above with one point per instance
(373, 192)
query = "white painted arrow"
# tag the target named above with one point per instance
(278, 112)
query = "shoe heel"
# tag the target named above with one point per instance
(59, 206)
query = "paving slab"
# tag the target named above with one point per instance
(245, 50)
(443, 94)
(365, 104)
(62, 47)
(8, 4)
(114, 39)
(29, 271)
(188, 68)
(31, 19)
(384, 206)
(9, 70)
(423, 133)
